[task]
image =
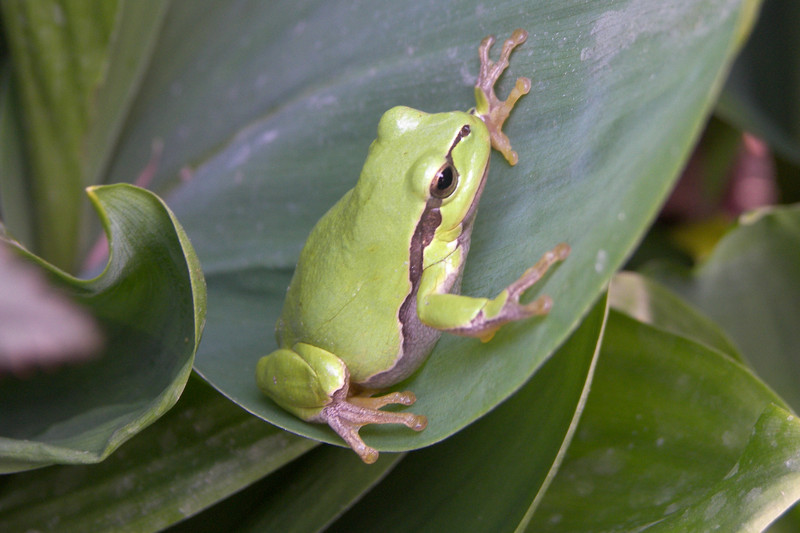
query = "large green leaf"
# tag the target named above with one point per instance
(448, 485)
(649, 302)
(750, 285)
(201, 451)
(305, 495)
(150, 304)
(763, 483)
(76, 65)
(273, 110)
(674, 432)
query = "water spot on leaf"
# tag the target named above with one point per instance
(601, 261)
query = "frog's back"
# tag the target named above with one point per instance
(356, 274)
(353, 274)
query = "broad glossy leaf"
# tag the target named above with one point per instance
(650, 302)
(150, 304)
(492, 475)
(305, 495)
(769, 467)
(274, 109)
(750, 286)
(201, 451)
(672, 431)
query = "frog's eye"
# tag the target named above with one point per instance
(445, 181)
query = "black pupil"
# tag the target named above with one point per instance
(445, 179)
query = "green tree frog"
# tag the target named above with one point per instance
(378, 280)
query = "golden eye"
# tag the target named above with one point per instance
(445, 182)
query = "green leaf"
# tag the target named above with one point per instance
(673, 431)
(750, 286)
(76, 66)
(137, 27)
(201, 451)
(16, 210)
(277, 128)
(492, 475)
(649, 302)
(769, 467)
(150, 303)
(305, 495)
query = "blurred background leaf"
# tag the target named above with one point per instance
(76, 66)
(750, 286)
(202, 451)
(761, 95)
(664, 426)
(150, 305)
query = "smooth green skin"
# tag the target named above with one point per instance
(356, 262)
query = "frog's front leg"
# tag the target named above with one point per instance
(314, 384)
(482, 317)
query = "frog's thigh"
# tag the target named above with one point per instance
(301, 379)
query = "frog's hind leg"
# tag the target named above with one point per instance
(314, 384)
(346, 416)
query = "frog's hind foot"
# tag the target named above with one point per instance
(346, 416)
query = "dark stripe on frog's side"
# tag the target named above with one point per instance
(418, 338)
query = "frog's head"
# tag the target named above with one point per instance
(443, 159)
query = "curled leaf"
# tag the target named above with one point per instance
(150, 303)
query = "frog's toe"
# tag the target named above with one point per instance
(489, 107)
(537, 271)
(346, 416)
(349, 432)
(403, 398)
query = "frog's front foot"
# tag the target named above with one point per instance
(346, 416)
(507, 307)
(491, 109)
(531, 276)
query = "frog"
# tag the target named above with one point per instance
(378, 279)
